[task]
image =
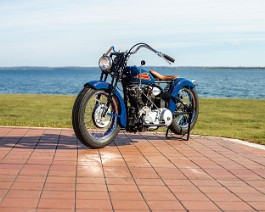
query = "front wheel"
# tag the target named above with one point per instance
(188, 99)
(91, 126)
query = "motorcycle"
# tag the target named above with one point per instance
(100, 111)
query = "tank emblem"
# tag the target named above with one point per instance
(143, 76)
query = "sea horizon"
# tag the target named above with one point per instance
(213, 82)
(95, 67)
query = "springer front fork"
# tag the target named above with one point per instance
(110, 91)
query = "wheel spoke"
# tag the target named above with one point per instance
(186, 98)
(98, 126)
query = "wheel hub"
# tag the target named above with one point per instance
(99, 120)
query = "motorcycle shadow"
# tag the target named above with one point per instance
(146, 137)
(68, 142)
(45, 142)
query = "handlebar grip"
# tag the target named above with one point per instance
(108, 51)
(171, 59)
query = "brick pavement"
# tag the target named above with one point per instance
(49, 170)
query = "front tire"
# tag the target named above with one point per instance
(181, 122)
(90, 127)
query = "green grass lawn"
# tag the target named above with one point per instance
(234, 118)
(36, 110)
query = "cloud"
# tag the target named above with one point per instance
(91, 26)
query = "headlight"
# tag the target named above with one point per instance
(105, 63)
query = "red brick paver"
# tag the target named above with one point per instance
(49, 170)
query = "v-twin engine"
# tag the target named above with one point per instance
(147, 110)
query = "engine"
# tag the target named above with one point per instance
(158, 117)
(146, 110)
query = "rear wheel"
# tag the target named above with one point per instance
(90, 126)
(180, 123)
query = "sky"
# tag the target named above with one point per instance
(77, 33)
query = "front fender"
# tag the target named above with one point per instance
(98, 85)
(178, 84)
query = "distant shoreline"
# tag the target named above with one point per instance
(157, 67)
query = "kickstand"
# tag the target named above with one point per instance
(167, 132)
(188, 135)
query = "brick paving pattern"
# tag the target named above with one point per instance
(49, 170)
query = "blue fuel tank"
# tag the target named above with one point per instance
(134, 75)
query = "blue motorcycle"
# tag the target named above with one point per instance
(149, 101)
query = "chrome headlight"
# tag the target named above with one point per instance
(105, 63)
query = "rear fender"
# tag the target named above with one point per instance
(178, 84)
(99, 85)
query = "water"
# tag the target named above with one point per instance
(225, 83)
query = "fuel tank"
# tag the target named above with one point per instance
(133, 74)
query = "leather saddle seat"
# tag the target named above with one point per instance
(162, 77)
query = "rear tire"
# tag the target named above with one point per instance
(180, 123)
(90, 128)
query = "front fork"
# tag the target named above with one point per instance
(112, 87)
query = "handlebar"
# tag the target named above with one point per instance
(171, 59)
(112, 47)
(144, 45)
